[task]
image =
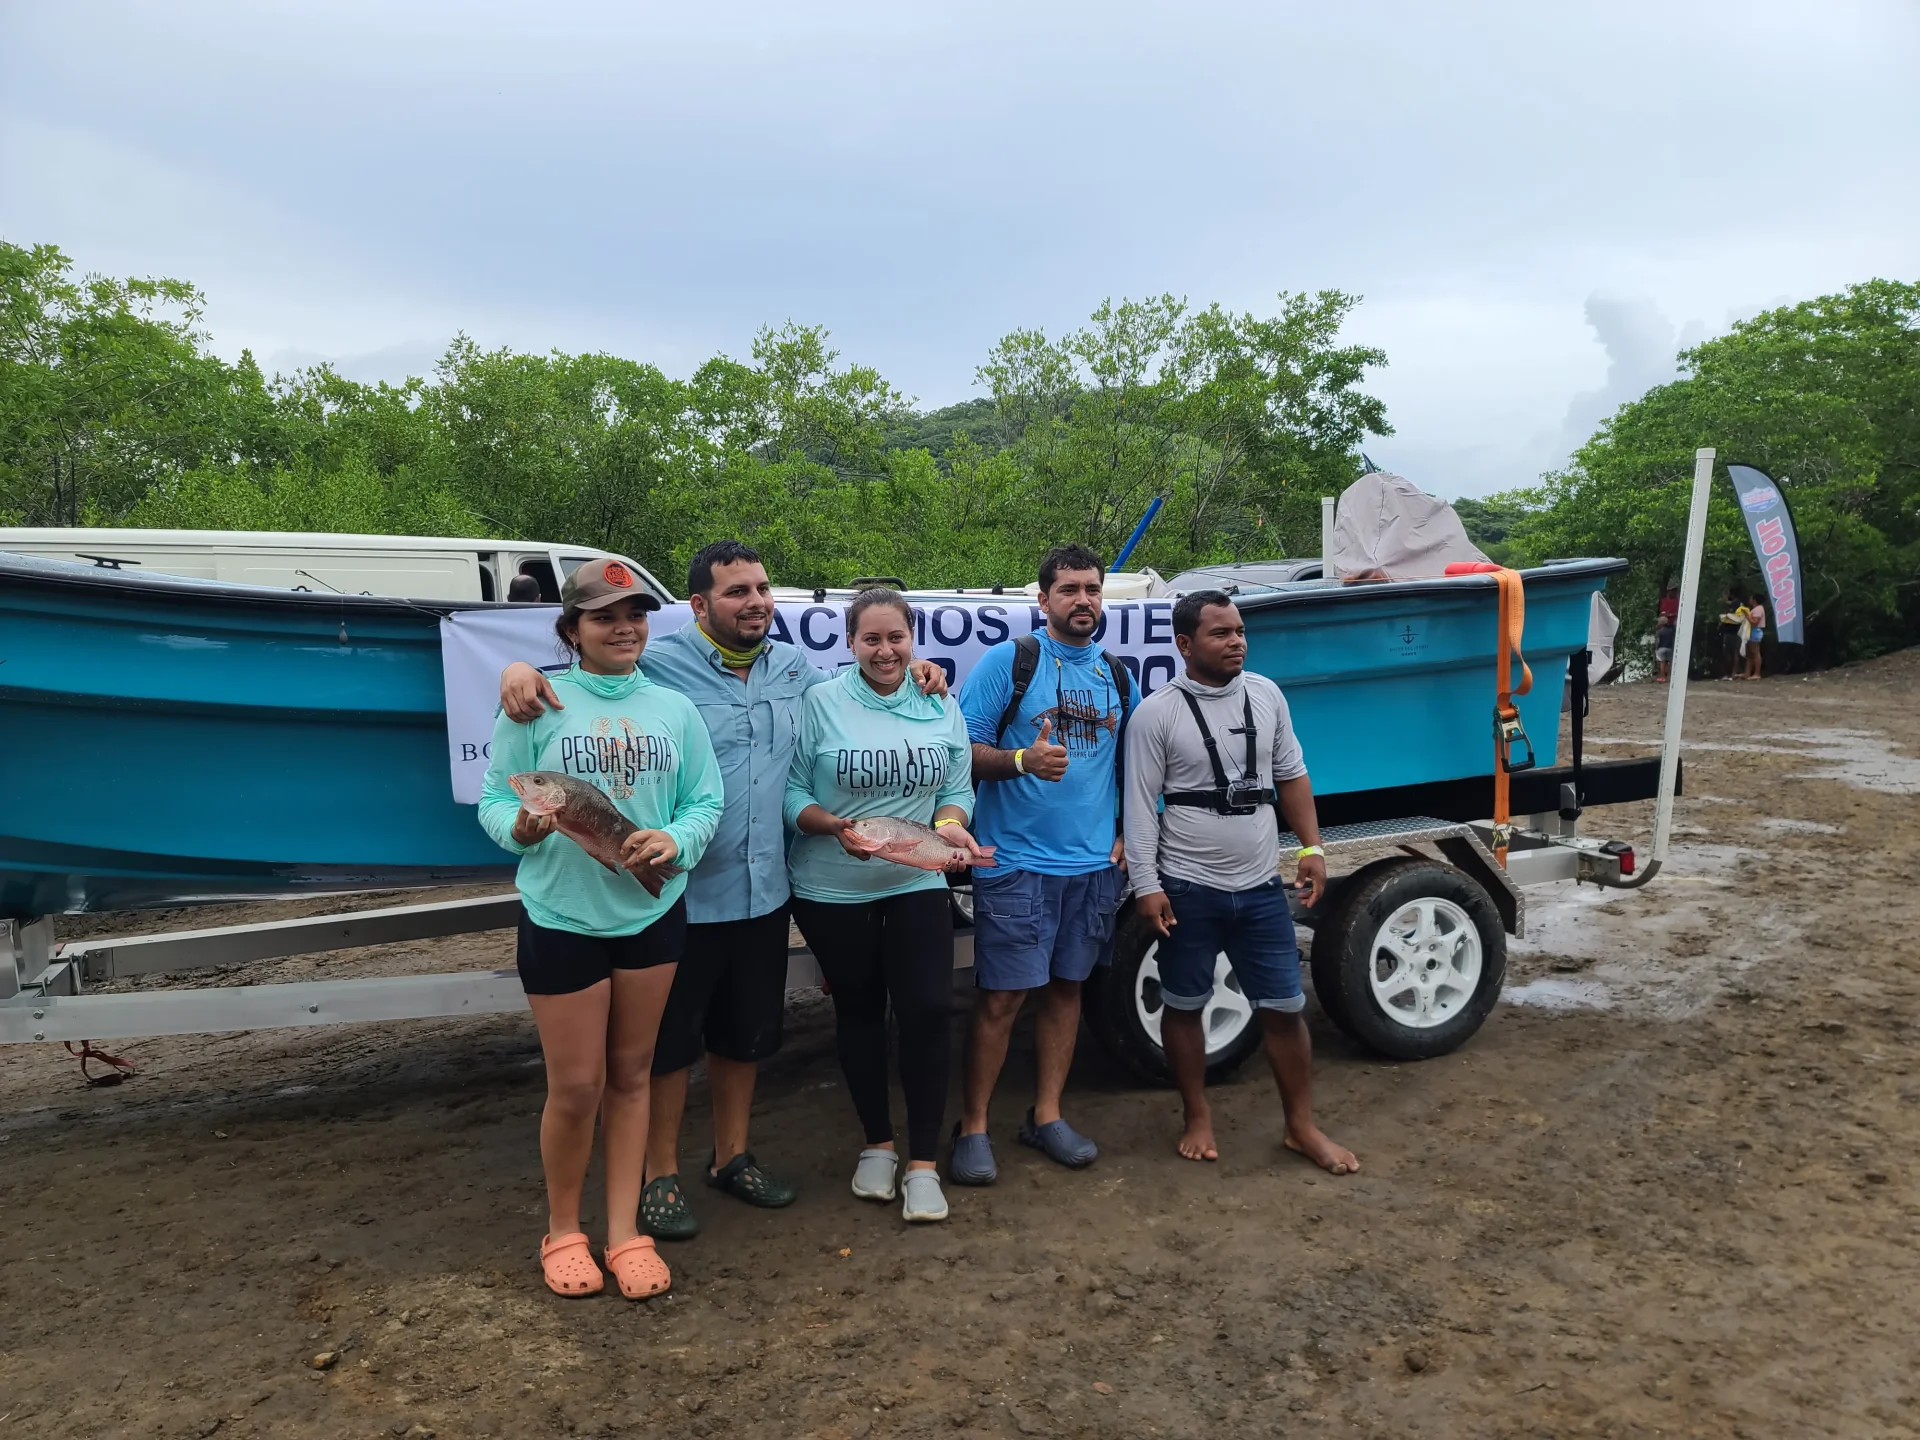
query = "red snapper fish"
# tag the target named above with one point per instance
(583, 814)
(908, 842)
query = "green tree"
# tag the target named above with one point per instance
(1825, 397)
(1239, 422)
(106, 389)
(585, 448)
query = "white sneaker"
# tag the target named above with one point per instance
(925, 1199)
(874, 1176)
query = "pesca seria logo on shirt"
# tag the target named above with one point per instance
(619, 762)
(904, 772)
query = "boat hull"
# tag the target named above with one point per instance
(166, 741)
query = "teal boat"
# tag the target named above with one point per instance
(1391, 685)
(166, 741)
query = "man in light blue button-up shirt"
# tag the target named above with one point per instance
(729, 993)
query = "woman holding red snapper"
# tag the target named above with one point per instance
(873, 746)
(598, 945)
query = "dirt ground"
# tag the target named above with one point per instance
(1669, 1190)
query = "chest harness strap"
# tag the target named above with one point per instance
(1225, 798)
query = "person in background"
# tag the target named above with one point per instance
(523, 589)
(730, 993)
(872, 745)
(1666, 621)
(1733, 620)
(597, 946)
(1217, 746)
(1756, 632)
(1047, 760)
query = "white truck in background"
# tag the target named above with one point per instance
(402, 566)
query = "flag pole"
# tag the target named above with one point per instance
(1682, 664)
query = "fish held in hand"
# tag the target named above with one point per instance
(908, 842)
(582, 813)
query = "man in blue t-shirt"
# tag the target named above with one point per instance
(1043, 915)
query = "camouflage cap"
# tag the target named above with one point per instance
(599, 583)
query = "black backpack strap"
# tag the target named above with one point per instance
(1122, 681)
(1026, 660)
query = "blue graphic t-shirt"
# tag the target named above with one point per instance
(1051, 827)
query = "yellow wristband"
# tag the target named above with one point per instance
(948, 821)
(1019, 762)
(1306, 850)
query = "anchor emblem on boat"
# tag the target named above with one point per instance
(1407, 635)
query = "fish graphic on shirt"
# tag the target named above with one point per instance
(1078, 722)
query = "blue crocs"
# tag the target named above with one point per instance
(1059, 1142)
(972, 1162)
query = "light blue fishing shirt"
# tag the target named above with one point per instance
(645, 748)
(754, 724)
(863, 754)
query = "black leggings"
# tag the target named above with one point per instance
(873, 951)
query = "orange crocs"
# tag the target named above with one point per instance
(639, 1269)
(567, 1262)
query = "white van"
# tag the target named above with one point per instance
(405, 566)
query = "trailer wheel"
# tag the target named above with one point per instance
(1124, 1009)
(1412, 961)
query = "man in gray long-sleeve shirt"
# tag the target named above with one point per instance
(1217, 746)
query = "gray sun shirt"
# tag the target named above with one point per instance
(1166, 754)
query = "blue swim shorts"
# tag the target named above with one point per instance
(1252, 928)
(1030, 928)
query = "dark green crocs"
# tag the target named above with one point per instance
(742, 1177)
(664, 1212)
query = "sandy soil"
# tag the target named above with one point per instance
(1671, 1191)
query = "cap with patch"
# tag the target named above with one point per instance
(599, 583)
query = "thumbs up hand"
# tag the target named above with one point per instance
(1045, 759)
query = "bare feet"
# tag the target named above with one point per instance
(1196, 1141)
(1330, 1157)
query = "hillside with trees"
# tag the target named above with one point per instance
(114, 409)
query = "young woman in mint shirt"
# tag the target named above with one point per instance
(597, 951)
(871, 744)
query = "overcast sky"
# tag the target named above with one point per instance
(1540, 202)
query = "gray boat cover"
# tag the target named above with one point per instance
(1385, 524)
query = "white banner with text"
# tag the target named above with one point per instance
(476, 645)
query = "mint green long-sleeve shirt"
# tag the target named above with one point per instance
(862, 754)
(648, 750)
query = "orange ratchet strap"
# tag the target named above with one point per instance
(1507, 730)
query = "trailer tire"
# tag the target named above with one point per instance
(1411, 962)
(1123, 1010)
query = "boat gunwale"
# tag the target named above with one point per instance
(1312, 591)
(34, 570)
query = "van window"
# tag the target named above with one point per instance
(571, 563)
(486, 582)
(543, 572)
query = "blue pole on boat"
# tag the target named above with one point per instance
(1133, 540)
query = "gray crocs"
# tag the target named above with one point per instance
(873, 1177)
(973, 1162)
(925, 1199)
(1059, 1142)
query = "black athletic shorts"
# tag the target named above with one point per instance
(729, 995)
(559, 962)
